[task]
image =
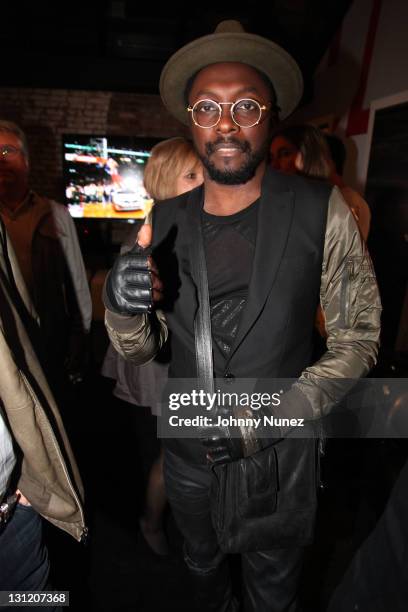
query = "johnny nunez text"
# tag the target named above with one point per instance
(231, 421)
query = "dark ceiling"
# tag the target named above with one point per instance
(122, 45)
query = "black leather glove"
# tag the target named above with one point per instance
(223, 443)
(226, 444)
(230, 443)
(128, 286)
(221, 448)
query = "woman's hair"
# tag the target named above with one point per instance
(310, 142)
(166, 163)
(337, 152)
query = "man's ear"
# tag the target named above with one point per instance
(299, 165)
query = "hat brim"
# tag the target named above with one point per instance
(250, 49)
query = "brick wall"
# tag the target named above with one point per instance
(46, 114)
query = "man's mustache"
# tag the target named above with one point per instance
(211, 147)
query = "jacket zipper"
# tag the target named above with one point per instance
(321, 451)
(348, 276)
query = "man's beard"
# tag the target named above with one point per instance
(234, 177)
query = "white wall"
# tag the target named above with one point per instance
(336, 85)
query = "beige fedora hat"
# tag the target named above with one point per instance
(230, 43)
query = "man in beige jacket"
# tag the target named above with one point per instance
(38, 474)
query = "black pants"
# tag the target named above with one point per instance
(270, 578)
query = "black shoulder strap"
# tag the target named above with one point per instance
(202, 320)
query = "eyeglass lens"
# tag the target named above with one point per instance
(246, 113)
(8, 151)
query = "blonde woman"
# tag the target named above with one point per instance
(173, 168)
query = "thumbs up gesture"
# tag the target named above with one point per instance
(133, 285)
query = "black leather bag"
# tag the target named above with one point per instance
(244, 495)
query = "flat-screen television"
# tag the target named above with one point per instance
(103, 176)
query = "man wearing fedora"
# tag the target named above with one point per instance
(238, 268)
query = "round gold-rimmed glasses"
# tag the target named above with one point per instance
(245, 113)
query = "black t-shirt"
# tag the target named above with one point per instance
(229, 244)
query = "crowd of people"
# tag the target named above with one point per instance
(246, 253)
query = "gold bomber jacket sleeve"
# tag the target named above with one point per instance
(351, 305)
(137, 338)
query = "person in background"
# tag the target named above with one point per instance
(46, 245)
(311, 156)
(283, 153)
(172, 169)
(300, 148)
(38, 474)
(305, 149)
(336, 160)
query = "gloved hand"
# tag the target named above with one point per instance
(133, 284)
(221, 447)
(230, 443)
(226, 443)
(224, 448)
